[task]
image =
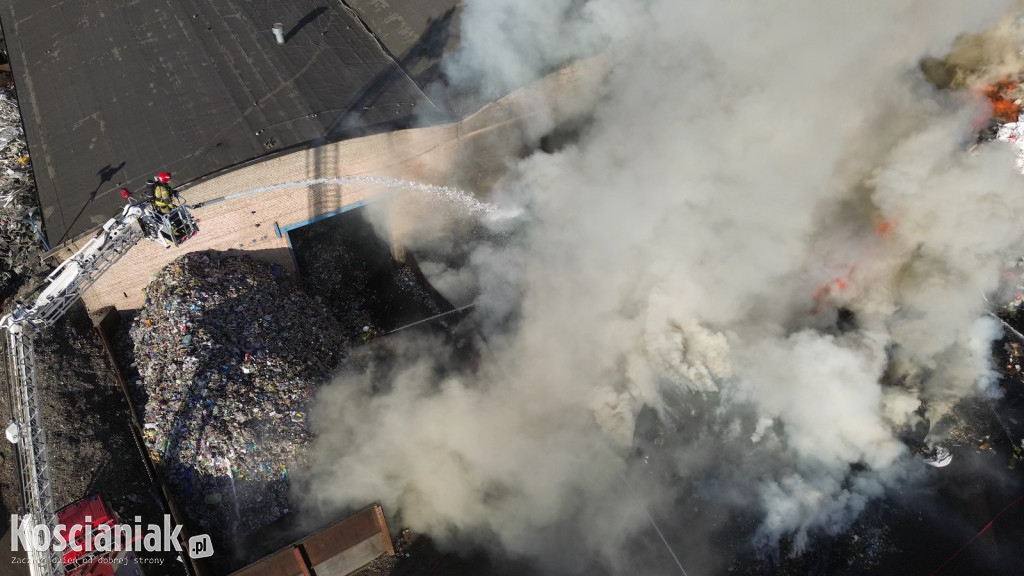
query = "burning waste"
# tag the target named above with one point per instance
(769, 239)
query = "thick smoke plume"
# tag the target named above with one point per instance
(751, 170)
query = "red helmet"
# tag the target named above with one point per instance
(164, 177)
(125, 193)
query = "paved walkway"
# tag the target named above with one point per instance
(467, 154)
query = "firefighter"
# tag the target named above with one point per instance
(162, 193)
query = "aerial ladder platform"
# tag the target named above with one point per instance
(61, 289)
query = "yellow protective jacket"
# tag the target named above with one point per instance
(163, 197)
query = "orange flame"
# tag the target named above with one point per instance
(838, 284)
(1002, 108)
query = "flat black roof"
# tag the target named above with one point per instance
(114, 91)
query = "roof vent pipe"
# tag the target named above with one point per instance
(279, 32)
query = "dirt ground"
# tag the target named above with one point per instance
(89, 439)
(416, 554)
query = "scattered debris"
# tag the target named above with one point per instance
(21, 240)
(1017, 456)
(1013, 132)
(938, 457)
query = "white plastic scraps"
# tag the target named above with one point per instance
(1013, 132)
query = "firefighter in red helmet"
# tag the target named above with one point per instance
(162, 193)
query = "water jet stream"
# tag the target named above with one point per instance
(447, 193)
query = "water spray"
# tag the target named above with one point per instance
(234, 494)
(654, 524)
(434, 317)
(448, 193)
(1008, 326)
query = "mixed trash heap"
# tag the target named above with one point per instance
(1006, 97)
(20, 240)
(229, 354)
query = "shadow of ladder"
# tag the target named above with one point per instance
(323, 163)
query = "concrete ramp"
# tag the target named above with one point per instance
(272, 195)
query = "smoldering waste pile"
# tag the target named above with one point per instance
(229, 354)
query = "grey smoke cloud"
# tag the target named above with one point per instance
(507, 44)
(741, 160)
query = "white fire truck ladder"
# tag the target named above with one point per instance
(63, 287)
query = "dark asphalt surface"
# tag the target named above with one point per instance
(113, 91)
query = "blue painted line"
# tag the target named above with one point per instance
(291, 252)
(41, 237)
(323, 216)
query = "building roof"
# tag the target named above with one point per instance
(113, 92)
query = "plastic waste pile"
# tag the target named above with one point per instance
(1006, 98)
(229, 354)
(20, 241)
(1013, 132)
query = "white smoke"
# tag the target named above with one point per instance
(507, 43)
(751, 168)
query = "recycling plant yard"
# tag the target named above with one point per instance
(466, 293)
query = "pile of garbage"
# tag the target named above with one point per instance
(20, 239)
(229, 354)
(344, 262)
(979, 63)
(1013, 132)
(1006, 98)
